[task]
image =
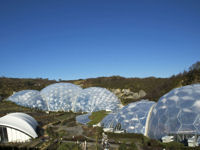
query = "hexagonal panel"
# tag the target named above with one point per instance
(187, 116)
(197, 123)
(172, 125)
(187, 129)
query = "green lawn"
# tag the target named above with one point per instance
(96, 117)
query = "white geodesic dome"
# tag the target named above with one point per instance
(131, 118)
(60, 96)
(29, 98)
(95, 99)
(177, 112)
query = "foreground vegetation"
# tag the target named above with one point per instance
(59, 130)
(130, 141)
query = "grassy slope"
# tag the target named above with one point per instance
(96, 117)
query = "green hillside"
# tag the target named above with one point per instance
(154, 87)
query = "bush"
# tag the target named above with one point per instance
(123, 146)
(68, 146)
(174, 145)
(133, 146)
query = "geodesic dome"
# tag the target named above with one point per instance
(177, 112)
(29, 98)
(95, 99)
(131, 118)
(60, 96)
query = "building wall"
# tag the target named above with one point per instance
(17, 136)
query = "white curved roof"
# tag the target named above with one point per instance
(20, 121)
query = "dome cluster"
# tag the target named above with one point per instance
(176, 113)
(67, 97)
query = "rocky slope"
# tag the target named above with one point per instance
(127, 94)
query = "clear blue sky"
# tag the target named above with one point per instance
(72, 39)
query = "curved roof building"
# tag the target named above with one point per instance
(28, 98)
(133, 118)
(17, 127)
(95, 99)
(60, 96)
(177, 112)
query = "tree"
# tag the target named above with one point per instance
(195, 66)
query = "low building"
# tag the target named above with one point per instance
(17, 127)
(167, 139)
(192, 142)
(108, 129)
